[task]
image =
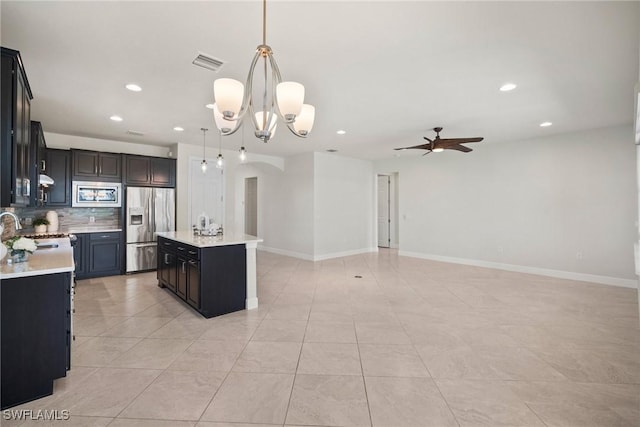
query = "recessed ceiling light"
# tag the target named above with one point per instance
(116, 118)
(133, 87)
(507, 87)
(209, 106)
(545, 124)
(341, 132)
(178, 129)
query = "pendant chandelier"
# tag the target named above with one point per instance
(233, 100)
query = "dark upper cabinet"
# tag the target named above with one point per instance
(96, 166)
(15, 131)
(38, 162)
(58, 167)
(149, 171)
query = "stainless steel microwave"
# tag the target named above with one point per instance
(96, 194)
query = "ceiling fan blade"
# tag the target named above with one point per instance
(459, 140)
(428, 152)
(427, 139)
(420, 147)
(457, 147)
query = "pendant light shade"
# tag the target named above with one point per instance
(229, 94)
(224, 126)
(290, 97)
(271, 127)
(304, 122)
(243, 154)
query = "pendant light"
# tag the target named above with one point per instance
(203, 164)
(220, 159)
(243, 152)
(233, 100)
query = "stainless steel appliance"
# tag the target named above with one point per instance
(148, 211)
(96, 194)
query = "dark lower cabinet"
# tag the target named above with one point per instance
(79, 255)
(98, 254)
(35, 336)
(213, 280)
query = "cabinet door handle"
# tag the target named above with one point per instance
(166, 258)
(44, 165)
(184, 269)
(194, 263)
(192, 252)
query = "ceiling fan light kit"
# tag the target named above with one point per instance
(438, 144)
(278, 99)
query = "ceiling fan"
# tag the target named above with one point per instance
(439, 144)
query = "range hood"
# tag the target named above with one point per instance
(45, 180)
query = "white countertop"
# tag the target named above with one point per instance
(42, 261)
(188, 238)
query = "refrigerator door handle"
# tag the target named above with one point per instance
(152, 214)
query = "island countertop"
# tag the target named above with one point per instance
(226, 239)
(42, 261)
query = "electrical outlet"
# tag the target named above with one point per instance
(28, 220)
(92, 219)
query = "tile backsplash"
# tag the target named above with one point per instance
(67, 217)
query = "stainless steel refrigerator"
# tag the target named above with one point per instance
(148, 211)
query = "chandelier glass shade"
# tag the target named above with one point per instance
(233, 99)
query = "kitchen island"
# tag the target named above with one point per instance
(36, 310)
(214, 274)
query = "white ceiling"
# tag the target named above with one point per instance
(386, 72)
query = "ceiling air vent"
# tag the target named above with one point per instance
(135, 132)
(209, 62)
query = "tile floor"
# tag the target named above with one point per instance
(410, 343)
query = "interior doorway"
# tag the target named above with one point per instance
(384, 211)
(387, 210)
(251, 206)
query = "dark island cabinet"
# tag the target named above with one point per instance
(147, 171)
(210, 279)
(15, 131)
(58, 167)
(167, 267)
(36, 340)
(98, 254)
(96, 166)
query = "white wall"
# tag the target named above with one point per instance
(556, 205)
(232, 161)
(343, 206)
(65, 142)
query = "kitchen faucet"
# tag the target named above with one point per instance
(15, 218)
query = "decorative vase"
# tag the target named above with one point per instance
(40, 228)
(19, 256)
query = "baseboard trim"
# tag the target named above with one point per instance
(308, 257)
(581, 277)
(292, 254)
(345, 253)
